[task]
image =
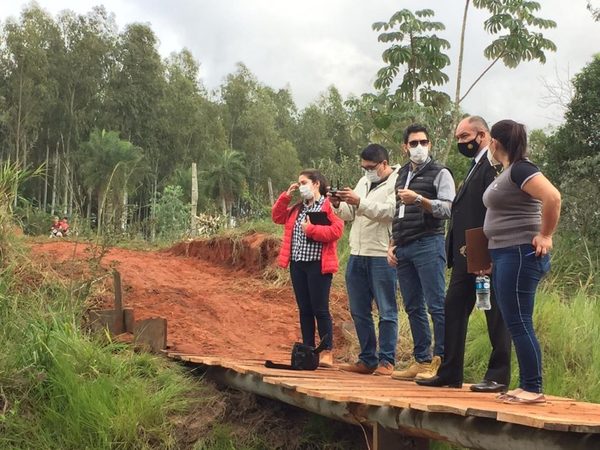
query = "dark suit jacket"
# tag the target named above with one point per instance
(468, 211)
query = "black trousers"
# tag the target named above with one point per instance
(311, 288)
(460, 300)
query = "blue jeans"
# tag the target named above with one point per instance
(516, 275)
(311, 289)
(421, 272)
(371, 278)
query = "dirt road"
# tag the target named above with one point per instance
(212, 307)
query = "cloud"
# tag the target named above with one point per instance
(312, 44)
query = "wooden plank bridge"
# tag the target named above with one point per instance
(403, 415)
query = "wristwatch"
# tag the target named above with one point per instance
(418, 200)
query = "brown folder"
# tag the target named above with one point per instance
(478, 256)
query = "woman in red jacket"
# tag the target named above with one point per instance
(311, 252)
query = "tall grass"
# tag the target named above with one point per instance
(568, 330)
(65, 389)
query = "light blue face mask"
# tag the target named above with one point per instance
(306, 192)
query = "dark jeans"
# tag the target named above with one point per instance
(311, 288)
(460, 300)
(516, 275)
(421, 274)
(371, 278)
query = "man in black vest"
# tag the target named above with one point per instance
(425, 190)
(468, 212)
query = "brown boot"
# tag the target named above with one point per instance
(384, 369)
(416, 368)
(358, 367)
(326, 359)
(436, 362)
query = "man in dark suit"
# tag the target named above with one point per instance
(468, 212)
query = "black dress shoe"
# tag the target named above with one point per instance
(437, 381)
(488, 386)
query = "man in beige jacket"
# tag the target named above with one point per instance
(371, 207)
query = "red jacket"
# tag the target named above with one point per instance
(327, 234)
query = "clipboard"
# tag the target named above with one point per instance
(478, 256)
(318, 218)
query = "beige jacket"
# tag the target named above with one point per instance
(372, 219)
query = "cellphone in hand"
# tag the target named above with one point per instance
(334, 190)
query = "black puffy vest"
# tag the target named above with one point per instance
(416, 222)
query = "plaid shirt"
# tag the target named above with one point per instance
(304, 249)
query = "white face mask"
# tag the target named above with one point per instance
(372, 176)
(490, 156)
(419, 154)
(306, 192)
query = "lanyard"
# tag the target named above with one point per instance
(402, 206)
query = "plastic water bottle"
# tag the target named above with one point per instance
(482, 291)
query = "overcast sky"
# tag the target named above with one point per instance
(312, 44)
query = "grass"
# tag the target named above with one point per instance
(63, 388)
(568, 329)
(66, 389)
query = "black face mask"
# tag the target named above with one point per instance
(469, 149)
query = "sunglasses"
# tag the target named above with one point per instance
(423, 142)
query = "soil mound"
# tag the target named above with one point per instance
(253, 252)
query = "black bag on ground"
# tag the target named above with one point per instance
(304, 357)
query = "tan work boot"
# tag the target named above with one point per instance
(384, 369)
(436, 362)
(415, 369)
(357, 367)
(326, 359)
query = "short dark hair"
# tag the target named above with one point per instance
(376, 153)
(314, 175)
(513, 137)
(414, 128)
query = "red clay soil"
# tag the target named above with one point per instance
(211, 292)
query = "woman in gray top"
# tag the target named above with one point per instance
(523, 209)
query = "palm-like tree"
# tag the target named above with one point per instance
(225, 179)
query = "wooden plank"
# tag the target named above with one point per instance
(560, 414)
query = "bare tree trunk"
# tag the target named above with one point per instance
(67, 174)
(124, 212)
(223, 206)
(270, 186)
(25, 144)
(89, 205)
(71, 195)
(45, 202)
(55, 180)
(456, 110)
(19, 110)
(194, 199)
(153, 211)
(461, 52)
(101, 197)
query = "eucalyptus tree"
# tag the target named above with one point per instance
(313, 140)
(26, 48)
(267, 153)
(81, 75)
(134, 104)
(237, 93)
(572, 154)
